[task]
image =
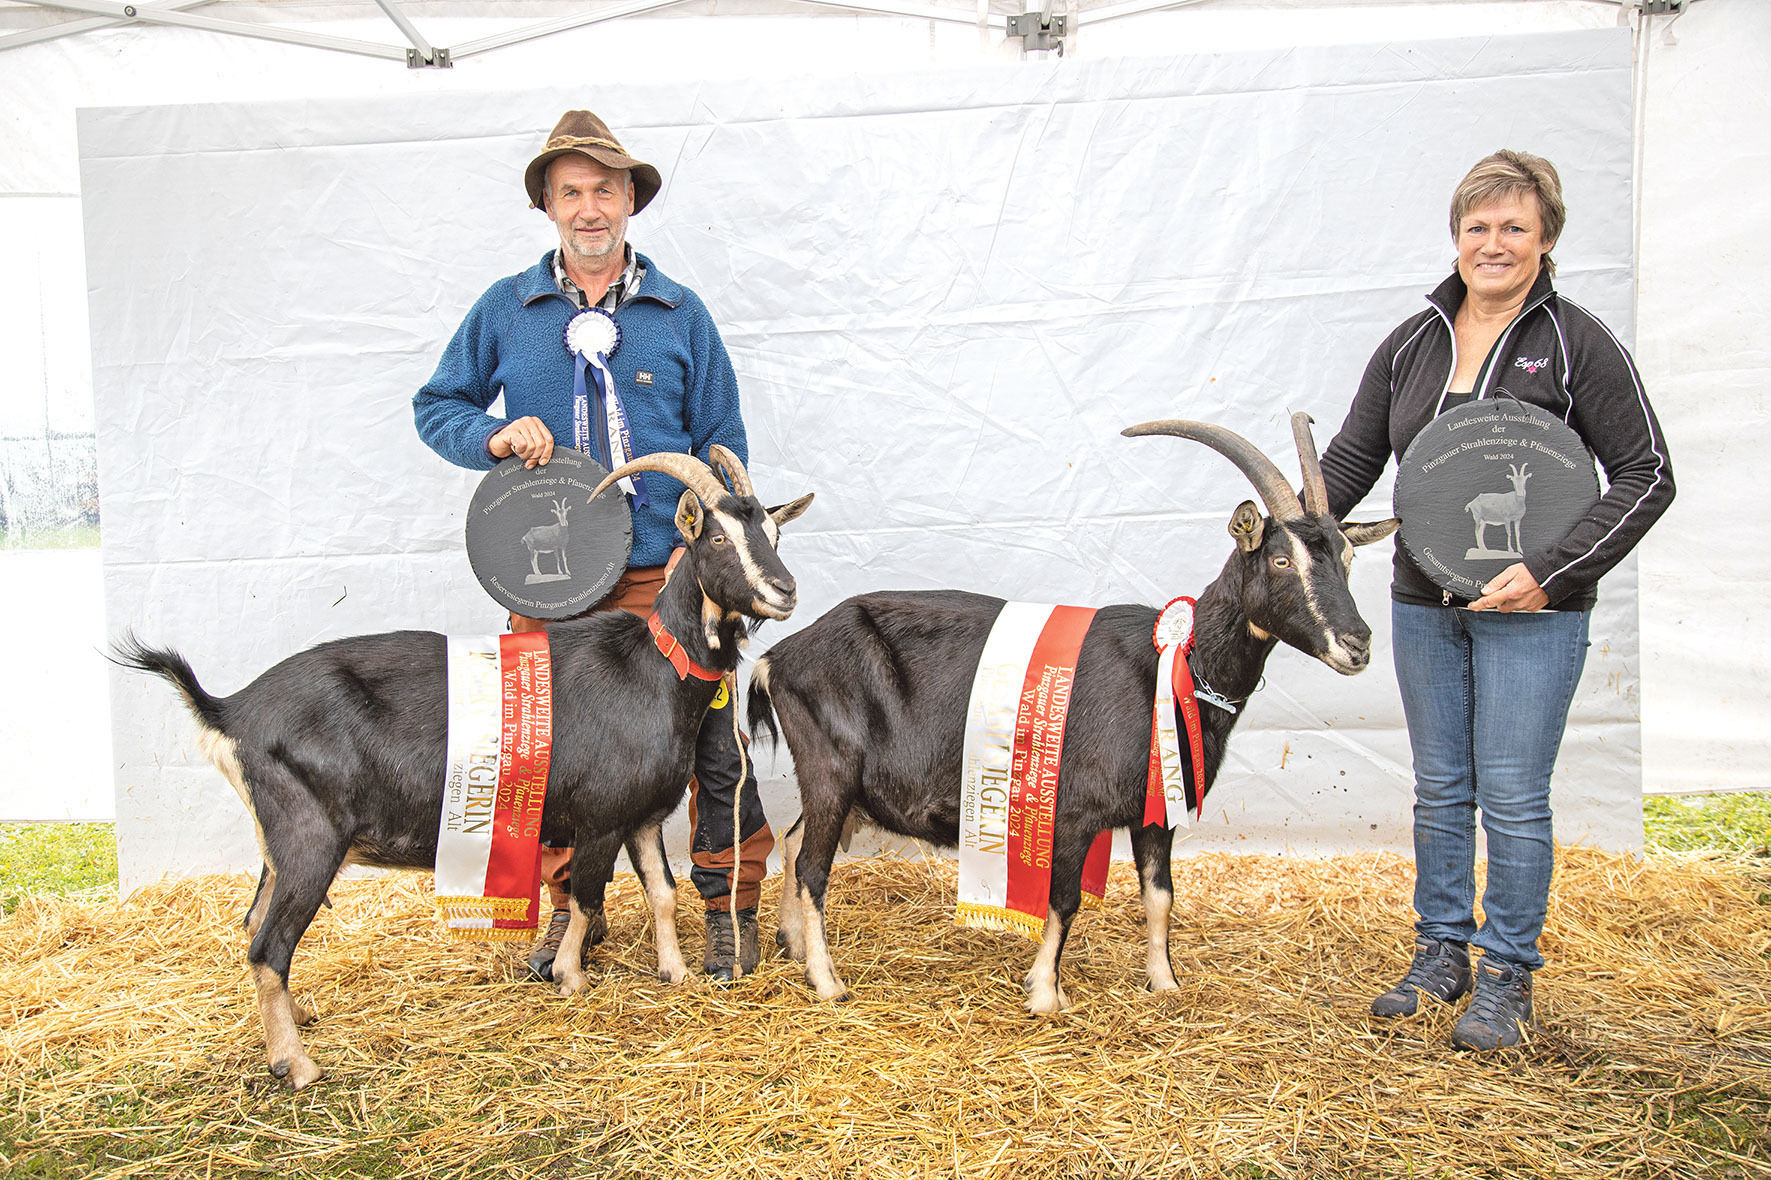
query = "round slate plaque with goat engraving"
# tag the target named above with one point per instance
(539, 544)
(1485, 484)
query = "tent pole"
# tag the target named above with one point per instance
(166, 16)
(86, 25)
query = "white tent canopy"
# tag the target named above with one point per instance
(1700, 731)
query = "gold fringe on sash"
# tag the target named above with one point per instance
(482, 907)
(490, 934)
(490, 908)
(992, 917)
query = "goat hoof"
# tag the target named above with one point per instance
(781, 940)
(299, 1072)
(570, 984)
(836, 992)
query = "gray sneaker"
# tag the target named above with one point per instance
(1497, 1017)
(1441, 969)
(719, 959)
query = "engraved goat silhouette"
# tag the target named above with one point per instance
(1506, 509)
(548, 538)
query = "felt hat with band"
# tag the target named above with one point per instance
(582, 132)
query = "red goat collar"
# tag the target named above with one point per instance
(673, 651)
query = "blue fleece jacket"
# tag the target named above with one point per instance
(670, 368)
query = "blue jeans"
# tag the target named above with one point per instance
(1486, 696)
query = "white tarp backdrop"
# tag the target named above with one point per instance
(944, 294)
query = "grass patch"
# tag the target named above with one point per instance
(1735, 822)
(68, 536)
(56, 860)
(1732, 1119)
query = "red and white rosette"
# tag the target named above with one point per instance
(1173, 636)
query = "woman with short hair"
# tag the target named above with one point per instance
(1486, 684)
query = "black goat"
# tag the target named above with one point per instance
(339, 752)
(872, 700)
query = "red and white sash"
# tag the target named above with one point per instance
(500, 739)
(1014, 740)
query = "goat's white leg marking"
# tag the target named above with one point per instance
(1044, 994)
(568, 961)
(224, 754)
(282, 1043)
(820, 968)
(1158, 903)
(261, 904)
(792, 916)
(662, 898)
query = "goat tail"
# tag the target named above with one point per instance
(761, 710)
(131, 652)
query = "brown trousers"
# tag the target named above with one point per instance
(636, 592)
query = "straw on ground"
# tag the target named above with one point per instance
(128, 1045)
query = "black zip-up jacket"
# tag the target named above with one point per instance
(1555, 355)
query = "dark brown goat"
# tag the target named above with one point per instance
(872, 700)
(339, 751)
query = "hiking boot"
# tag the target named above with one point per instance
(719, 959)
(1441, 969)
(1497, 1016)
(541, 958)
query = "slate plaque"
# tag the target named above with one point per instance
(538, 543)
(1485, 484)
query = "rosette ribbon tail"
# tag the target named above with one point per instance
(620, 434)
(582, 431)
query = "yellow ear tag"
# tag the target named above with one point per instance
(720, 696)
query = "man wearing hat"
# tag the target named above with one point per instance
(672, 388)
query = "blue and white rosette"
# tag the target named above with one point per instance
(591, 338)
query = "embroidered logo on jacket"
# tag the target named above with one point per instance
(1531, 366)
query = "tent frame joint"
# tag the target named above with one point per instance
(1040, 32)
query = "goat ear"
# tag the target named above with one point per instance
(688, 515)
(1247, 525)
(782, 513)
(1365, 534)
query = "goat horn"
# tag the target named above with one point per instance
(728, 465)
(693, 473)
(1267, 479)
(1315, 490)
